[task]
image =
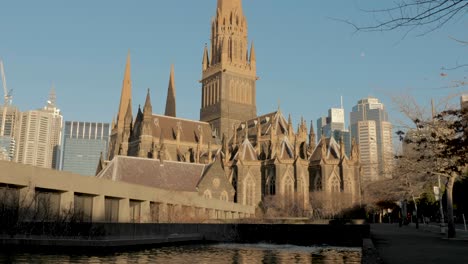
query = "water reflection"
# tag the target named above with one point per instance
(209, 254)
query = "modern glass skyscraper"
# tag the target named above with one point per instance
(333, 125)
(373, 132)
(82, 146)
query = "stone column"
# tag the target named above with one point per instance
(211, 213)
(162, 213)
(98, 213)
(27, 202)
(67, 203)
(145, 212)
(124, 210)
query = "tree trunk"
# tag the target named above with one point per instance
(451, 225)
(416, 209)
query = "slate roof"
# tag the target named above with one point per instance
(275, 119)
(246, 152)
(333, 150)
(170, 175)
(190, 129)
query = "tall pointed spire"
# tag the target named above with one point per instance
(225, 6)
(171, 96)
(125, 96)
(128, 118)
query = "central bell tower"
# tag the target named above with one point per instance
(229, 71)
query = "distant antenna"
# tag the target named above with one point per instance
(342, 102)
(8, 94)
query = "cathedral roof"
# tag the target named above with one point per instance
(170, 175)
(273, 121)
(246, 151)
(332, 150)
(189, 129)
(286, 150)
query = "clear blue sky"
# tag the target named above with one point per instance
(304, 58)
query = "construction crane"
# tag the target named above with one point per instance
(8, 94)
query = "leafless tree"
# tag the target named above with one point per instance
(436, 146)
(427, 15)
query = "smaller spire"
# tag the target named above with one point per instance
(323, 141)
(171, 95)
(206, 58)
(311, 137)
(253, 57)
(139, 114)
(52, 96)
(148, 108)
(290, 127)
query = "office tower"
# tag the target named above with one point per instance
(83, 143)
(9, 116)
(373, 132)
(39, 136)
(333, 125)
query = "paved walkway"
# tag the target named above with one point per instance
(426, 245)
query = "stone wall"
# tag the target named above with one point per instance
(109, 201)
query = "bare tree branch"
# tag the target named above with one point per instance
(412, 14)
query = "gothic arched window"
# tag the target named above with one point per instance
(289, 189)
(249, 188)
(224, 196)
(318, 182)
(207, 194)
(335, 185)
(348, 186)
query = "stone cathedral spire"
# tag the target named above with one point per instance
(228, 72)
(171, 96)
(125, 96)
(125, 106)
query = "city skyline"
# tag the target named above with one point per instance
(83, 55)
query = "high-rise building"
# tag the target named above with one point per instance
(9, 116)
(333, 125)
(39, 136)
(83, 143)
(373, 132)
(7, 148)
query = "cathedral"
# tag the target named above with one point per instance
(253, 156)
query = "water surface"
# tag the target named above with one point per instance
(209, 254)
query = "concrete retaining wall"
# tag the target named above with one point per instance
(116, 235)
